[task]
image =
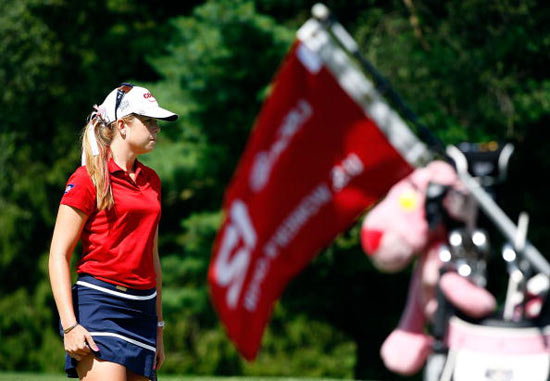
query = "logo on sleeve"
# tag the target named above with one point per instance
(68, 189)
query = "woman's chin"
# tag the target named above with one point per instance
(149, 147)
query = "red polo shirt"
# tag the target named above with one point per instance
(117, 244)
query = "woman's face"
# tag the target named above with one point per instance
(141, 134)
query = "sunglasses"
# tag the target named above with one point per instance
(123, 89)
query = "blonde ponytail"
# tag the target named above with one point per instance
(98, 165)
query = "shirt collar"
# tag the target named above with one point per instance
(113, 167)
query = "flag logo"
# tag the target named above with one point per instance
(325, 146)
(68, 189)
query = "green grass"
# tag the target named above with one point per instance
(58, 377)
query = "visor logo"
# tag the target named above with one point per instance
(149, 97)
(124, 105)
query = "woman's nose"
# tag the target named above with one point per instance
(154, 127)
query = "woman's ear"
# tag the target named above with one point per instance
(121, 128)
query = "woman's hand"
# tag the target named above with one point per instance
(79, 343)
(159, 358)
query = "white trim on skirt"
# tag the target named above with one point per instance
(116, 293)
(135, 342)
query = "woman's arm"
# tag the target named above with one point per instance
(160, 337)
(68, 227)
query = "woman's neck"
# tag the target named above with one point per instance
(123, 157)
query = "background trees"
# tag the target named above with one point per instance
(472, 70)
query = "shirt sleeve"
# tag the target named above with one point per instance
(156, 185)
(80, 192)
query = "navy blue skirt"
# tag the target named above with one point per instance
(122, 322)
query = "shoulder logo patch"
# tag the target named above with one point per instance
(68, 189)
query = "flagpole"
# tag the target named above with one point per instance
(322, 14)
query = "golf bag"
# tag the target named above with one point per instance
(514, 343)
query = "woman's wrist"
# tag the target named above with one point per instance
(69, 328)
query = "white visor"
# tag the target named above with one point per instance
(133, 100)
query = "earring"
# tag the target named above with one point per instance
(123, 134)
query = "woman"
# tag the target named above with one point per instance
(112, 318)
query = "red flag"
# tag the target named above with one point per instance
(324, 147)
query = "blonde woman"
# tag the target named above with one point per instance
(112, 318)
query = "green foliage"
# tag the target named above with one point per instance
(184, 275)
(196, 350)
(28, 342)
(467, 67)
(216, 76)
(322, 350)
